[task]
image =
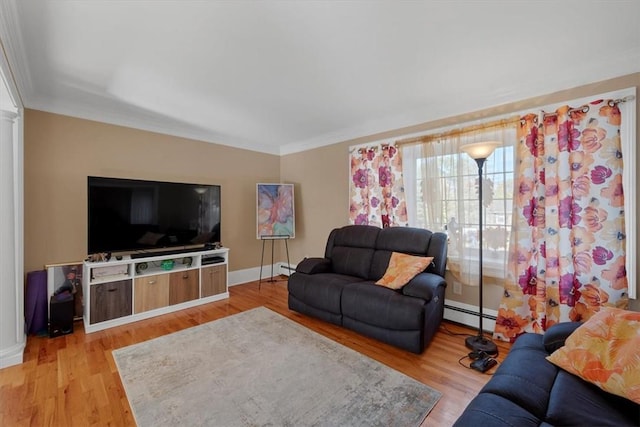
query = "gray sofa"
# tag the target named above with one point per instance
(529, 391)
(339, 288)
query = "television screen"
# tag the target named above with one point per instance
(136, 215)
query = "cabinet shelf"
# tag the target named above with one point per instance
(122, 291)
(112, 278)
(153, 270)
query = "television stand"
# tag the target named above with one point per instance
(140, 286)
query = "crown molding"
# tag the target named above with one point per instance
(14, 60)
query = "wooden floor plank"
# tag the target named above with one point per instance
(72, 380)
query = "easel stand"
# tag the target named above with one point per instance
(273, 239)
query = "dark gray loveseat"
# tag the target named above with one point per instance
(340, 289)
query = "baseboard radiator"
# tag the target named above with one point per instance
(468, 315)
(286, 269)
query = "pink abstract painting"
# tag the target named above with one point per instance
(276, 214)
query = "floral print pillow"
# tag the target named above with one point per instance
(402, 268)
(604, 351)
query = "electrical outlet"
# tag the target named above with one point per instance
(457, 288)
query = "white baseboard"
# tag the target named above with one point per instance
(468, 315)
(13, 355)
(239, 277)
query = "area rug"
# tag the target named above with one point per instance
(258, 368)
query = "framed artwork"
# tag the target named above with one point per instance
(275, 211)
(66, 278)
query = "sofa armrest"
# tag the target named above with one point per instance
(424, 285)
(314, 266)
(555, 336)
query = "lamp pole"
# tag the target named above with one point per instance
(480, 152)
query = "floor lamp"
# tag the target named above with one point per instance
(479, 152)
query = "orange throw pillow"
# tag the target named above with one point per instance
(604, 351)
(402, 268)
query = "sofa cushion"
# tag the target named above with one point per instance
(412, 241)
(356, 236)
(321, 291)
(302, 307)
(402, 268)
(604, 351)
(404, 239)
(525, 377)
(488, 409)
(380, 306)
(351, 249)
(352, 261)
(574, 402)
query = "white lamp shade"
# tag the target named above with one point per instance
(480, 150)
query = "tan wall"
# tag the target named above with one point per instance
(321, 178)
(60, 152)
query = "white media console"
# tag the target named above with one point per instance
(121, 291)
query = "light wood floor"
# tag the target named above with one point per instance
(72, 380)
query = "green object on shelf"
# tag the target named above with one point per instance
(167, 264)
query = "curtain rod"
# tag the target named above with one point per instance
(493, 124)
(455, 132)
(585, 108)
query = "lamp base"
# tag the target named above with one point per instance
(479, 343)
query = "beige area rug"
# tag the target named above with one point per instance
(258, 368)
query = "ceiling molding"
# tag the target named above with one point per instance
(14, 58)
(155, 127)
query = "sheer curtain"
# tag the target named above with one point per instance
(441, 185)
(376, 187)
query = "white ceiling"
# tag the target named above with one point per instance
(285, 76)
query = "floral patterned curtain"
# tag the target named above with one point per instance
(376, 190)
(567, 257)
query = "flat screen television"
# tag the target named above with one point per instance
(129, 215)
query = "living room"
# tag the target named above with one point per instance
(61, 150)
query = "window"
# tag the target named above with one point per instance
(441, 183)
(440, 187)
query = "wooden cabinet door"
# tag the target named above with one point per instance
(110, 301)
(183, 286)
(214, 280)
(151, 292)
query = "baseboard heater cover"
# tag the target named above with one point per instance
(287, 269)
(471, 312)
